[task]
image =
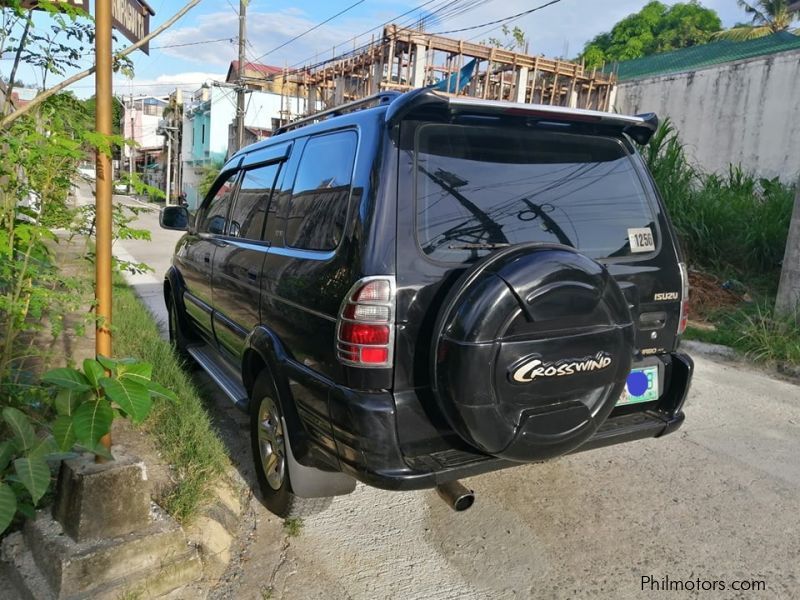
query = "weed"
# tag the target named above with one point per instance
(293, 526)
(266, 593)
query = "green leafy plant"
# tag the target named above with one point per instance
(81, 407)
(24, 472)
(87, 401)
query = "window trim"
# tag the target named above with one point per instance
(631, 155)
(287, 210)
(201, 212)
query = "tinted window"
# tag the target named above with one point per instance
(217, 209)
(318, 206)
(482, 186)
(249, 212)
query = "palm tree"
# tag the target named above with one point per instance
(768, 17)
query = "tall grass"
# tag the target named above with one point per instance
(732, 223)
(183, 431)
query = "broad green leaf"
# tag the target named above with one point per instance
(44, 448)
(67, 401)
(34, 474)
(97, 449)
(21, 427)
(26, 509)
(130, 396)
(92, 420)
(94, 371)
(109, 363)
(8, 506)
(69, 379)
(64, 432)
(159, 391)
(138, 372)
(6, 452)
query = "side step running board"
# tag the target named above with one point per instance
(227, 379)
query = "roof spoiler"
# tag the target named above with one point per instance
(640, 128)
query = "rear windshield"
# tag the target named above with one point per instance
(479, 188)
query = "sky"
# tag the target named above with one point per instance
(201, 45)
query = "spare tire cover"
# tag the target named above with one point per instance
(531, 349)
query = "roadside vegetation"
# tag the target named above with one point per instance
(182, 430)
(49, 414)
(733, 229)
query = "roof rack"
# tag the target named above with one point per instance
(355, 105)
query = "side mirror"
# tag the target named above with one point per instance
(174, 217)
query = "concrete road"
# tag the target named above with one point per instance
(716, 504)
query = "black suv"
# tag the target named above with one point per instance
(416, 288)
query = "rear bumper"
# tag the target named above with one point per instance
(365, 434)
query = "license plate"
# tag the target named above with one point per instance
(648, 391)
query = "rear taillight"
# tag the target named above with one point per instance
(365, 328)
(684, 320)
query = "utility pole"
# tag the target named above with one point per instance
(132, 148)
(788, 301)
(103, 185)
(240, 87)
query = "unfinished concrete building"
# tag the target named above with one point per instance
(404, 59)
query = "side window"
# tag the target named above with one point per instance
(216, 212)
(252, 201)
(318, 207)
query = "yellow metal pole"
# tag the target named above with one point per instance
(103, 184)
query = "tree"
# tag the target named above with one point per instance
(515, 40)
(768, 17)
(656, 28)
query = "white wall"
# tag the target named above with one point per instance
(746, 112)
(260, 109)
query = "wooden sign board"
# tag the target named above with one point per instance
(132, 19)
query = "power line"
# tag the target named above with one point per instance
(522, 14)
(355, 37)
(228, 39)
(307, 31)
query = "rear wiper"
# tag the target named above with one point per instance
(478, 246)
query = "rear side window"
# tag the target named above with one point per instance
(478, 188)
(216, 213)
(252, 201)
(318, 206)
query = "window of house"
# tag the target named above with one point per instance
(203, 134)
(252, 201)
(216, 211)
(318, 206)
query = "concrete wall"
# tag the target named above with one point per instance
(746, 112)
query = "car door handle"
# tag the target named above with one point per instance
(207, 258)
(252, 275)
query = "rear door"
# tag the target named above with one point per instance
(239, 255)
(467, 190)
(197, 254)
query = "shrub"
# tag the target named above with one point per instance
(734, 223)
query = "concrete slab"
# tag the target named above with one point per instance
(102, 500)
(45, 563)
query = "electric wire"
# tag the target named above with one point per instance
(516, 16)
(310, 29)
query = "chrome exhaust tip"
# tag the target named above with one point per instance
(456, 495)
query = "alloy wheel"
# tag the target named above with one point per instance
(271, 444)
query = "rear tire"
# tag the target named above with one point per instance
(268, 442)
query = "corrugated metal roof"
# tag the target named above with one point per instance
(705, 55)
